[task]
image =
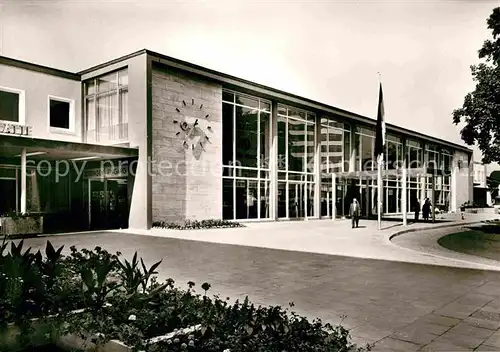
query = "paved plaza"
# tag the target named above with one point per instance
(400, 305)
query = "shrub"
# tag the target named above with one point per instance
(196, 224)
(199, 323)
(33, 284)
(124, 301)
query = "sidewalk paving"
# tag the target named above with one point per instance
(336, 238)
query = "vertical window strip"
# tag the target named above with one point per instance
(111, 122)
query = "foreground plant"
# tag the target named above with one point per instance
(123, 300)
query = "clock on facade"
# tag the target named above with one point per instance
(193, 125)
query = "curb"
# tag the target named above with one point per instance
(402, 232)
(485, 266)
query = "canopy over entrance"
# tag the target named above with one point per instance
(402, 174)
(12, 147)
(20, 151)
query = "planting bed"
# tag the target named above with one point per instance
(123, 308)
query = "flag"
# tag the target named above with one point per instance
(379, 152)
(380, 130)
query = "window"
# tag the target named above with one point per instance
(365, 140)
(296, 161)
(11, 105)
(335, 138)
(432, 156)
(366, 147)
(414, 154)
(61, 115)
(8, 189)
(394, 152)
(334, 145)
(106, 108)
(447, 160)
(246, 137)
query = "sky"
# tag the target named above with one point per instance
(328, 51)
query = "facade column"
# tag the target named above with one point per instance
(404, 185)
(433, 196)
(317, 168)
(453, 184)
(334, 196)
(423, 179)
(354, 149)
(23, 181)
(404, 200)
(273, 160)
(470, 179)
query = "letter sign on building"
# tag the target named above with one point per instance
(18, 130)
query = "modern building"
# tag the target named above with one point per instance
(482, 195)
(147, 138)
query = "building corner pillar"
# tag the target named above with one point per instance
(334, 196)
(470, 180)
(453, 185)
(23, 181)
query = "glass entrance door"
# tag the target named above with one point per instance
(117, 203)
(296, 200)
(108, 204)
(342, 201)
(8, 198)
(98, 208)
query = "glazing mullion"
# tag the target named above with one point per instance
(258, 162)
(304, 170)
(329, 169)
(234, 160)
(287, 214)
(96, 116)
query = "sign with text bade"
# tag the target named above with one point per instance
(18, 130)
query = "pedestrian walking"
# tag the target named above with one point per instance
(354, 212)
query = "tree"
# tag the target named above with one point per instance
(481, 108)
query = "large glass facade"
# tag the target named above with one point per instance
(246, 140)
(247, 179)
(106, 108)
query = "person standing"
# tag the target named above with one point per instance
(417, 209)
(354, 212)
(426, 209)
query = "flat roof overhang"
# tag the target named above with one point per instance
(45, 149)
(232, 82)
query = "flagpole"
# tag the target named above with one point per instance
(380, 159)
